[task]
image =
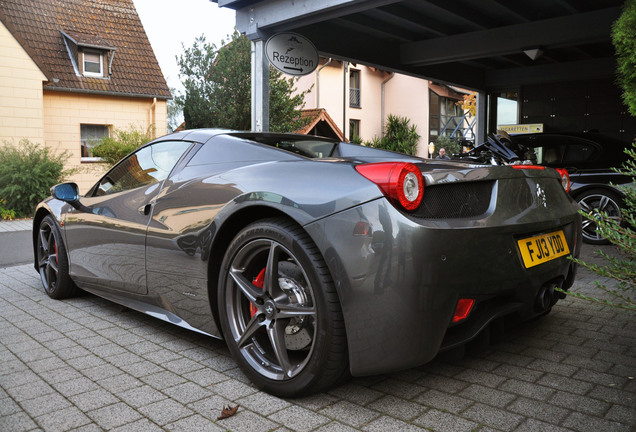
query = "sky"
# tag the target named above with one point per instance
(171, 23)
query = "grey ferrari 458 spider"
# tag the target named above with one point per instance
(314, 259)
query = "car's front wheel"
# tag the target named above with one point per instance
(593, 202)
(53, 261)
(279, 310)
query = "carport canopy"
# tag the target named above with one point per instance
(484, 45)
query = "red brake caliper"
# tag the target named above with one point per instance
(258, 281)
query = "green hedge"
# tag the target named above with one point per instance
(27, 172)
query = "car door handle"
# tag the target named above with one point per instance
(145, 209)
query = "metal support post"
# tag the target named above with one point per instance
(260, 87)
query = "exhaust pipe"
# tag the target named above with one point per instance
(546, 297)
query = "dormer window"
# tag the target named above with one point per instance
(90, 55)
(93, 62)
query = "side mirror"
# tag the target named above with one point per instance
(67, 192)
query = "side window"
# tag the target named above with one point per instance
(579, 152)
(149, 165)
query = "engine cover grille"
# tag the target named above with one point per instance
(455, 200)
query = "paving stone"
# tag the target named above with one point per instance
(565, 383)
(195, 422)
(491, 416)
(444, 401)
(579, 403)
(349, 413)
(400, 389)
(163, 380)
(45, 404)
(538, 410)
(446, 422)
(487, 395)
(522, 388)
(141, 396)
(297, 418)
(533, 425)
(263, 403)
(143, 424)
(585, 423)
(443, 383)
(233, 389)
(356, 394)
(165, 411)
(398, 408)
(17, 422)
(93, 400)
(385, 423)
(245, 420)
(112, 416)
(187, 392)
(62, 420)
(479, 377)
(335, 427)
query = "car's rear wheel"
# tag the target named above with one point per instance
(53, 261)
(279, 310)
(593, 202)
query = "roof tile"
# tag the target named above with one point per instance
(38, 24)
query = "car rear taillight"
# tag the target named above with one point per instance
(401, 182)
(565, 179)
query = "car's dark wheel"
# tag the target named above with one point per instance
(53, 261)
(279, 310)
(593, 202)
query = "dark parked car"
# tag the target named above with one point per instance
(314, 259)
(588, 158)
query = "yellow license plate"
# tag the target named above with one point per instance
(543, 248)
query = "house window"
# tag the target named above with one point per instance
(445, 116)
(91, 134)
(354, 88)
(93, 63)
(354, 130)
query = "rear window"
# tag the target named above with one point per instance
(309, 148)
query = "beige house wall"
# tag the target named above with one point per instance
(64, 113)
(404, 96)
(21, 105)
(408, 96)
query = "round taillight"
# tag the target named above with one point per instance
(401, 182)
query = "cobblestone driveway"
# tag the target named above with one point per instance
(87, 364)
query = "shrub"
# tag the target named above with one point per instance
(27, 172)
(112, 149)
(399, 136)
(622, 234)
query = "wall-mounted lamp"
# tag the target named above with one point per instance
(533, 53)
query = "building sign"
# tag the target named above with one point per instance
(522, 128)
(292, 53)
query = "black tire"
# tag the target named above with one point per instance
(592, 201)
(285, 330)
(53, 261)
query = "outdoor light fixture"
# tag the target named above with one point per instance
(533, 53)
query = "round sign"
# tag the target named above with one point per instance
(292, 53)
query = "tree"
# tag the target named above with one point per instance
(218, 88)
(624, 39)
(175, 114)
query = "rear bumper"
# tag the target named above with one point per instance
(399, 278)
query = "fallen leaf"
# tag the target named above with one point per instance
(228, 411)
